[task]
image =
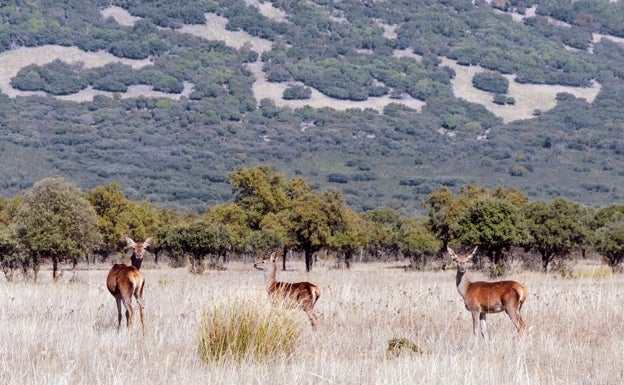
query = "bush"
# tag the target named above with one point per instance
(248, 330)
(491, 82)
(402, 346)
(297, 92)
(337, 178)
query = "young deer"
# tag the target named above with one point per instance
(304, 294)
(124, 281)
(481, 298)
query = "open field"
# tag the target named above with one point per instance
(64, 333)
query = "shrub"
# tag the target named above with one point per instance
(297, 92)
(402, 346)
(337, 178)
(248, 330)
(491, 82)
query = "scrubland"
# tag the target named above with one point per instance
(65, 332)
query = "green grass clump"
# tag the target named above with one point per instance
(402, 346)
(248, 330)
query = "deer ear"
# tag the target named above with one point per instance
(473, 252)
(272, 259)
(451, 252)
(129, 241)
(147, 241)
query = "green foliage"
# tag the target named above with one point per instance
(248, 331)
(383, 226)
(113, 211)
(610, 241)
(492, 224)
(297, 92)
(555, 228)
(491, 82)
(56, 222)
(56, 78)
(417, 242)
(10, 256)
(258, 191)
(194, 140)
(196, 239)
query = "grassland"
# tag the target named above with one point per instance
(65, 332)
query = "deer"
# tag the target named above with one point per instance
(124, 282)
(482, 298)
(303, 294)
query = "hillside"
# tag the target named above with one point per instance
(381, 100)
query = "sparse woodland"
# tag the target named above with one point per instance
(177, 153)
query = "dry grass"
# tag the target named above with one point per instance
(65, 333)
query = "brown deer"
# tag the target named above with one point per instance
(481, 297)
(304, 294)
(125, 281)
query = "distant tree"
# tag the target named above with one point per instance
(492, 224)
(297, 92)
(56, 222)
(10, 256)
(445, 209)
(417, 241)
(309, 224)
(196, 240)
(491, 82)
(382, 231)
(258, 191)
(113, 212)
(610, 241)
(347, 227)
(554, 228)
(234, 218)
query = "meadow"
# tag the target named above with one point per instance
(65, 332)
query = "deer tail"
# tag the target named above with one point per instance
(316, 293)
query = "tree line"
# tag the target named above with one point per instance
(55, 222)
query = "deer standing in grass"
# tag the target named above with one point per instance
(124, 282)
(481, 297)
(304, 294)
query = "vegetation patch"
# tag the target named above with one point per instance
(244, 330)
(402, 346)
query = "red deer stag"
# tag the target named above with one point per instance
(304, 294)
(124, 281)
(481, 297)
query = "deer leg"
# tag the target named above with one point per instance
(313, 319)
(475, 322)
(118, 301)
(141, 313)
(514, 315)
(483, 324)
(127, 302)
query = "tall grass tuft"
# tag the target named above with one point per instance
(248, 330)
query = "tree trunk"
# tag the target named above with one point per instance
(284, 258)
(55, 263)
(308, 258)
(348, 257)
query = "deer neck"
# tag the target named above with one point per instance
(136, 262)
(462, 282)
(270, 275)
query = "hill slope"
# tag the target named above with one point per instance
(376, 100)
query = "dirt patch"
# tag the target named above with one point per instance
(528, 97)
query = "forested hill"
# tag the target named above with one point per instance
(384, 100)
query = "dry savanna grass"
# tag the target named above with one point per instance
(65, 332)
